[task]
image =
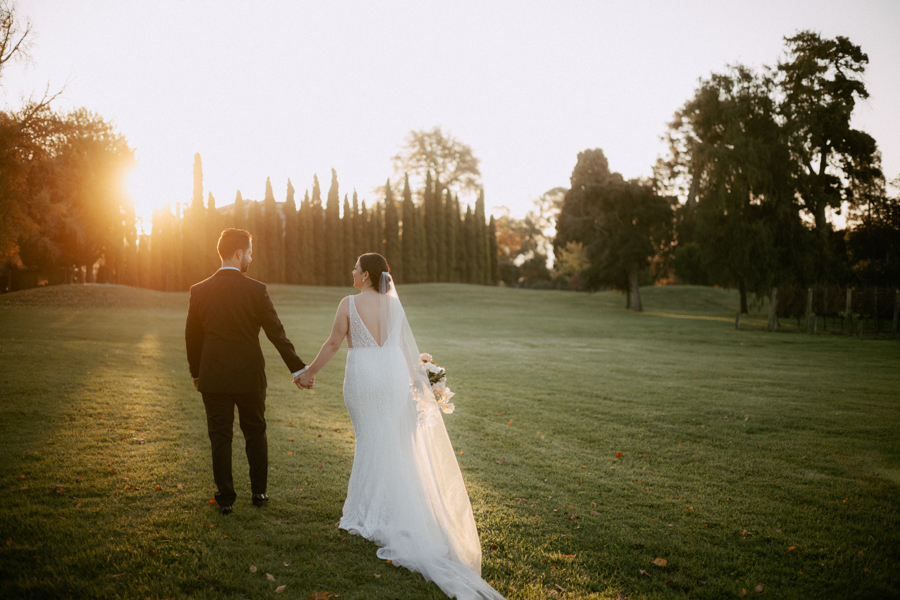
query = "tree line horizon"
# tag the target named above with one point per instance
(312, 242)
(756, 159)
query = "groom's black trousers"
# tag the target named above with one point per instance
(220, 423)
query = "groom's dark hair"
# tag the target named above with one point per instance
(374, 264)
(231, 241)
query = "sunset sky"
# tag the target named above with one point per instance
(289, 89)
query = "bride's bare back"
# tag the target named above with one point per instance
(368, 307)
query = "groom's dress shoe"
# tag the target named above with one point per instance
(226, 510)
(260, 499)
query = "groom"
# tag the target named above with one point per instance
(226, 362)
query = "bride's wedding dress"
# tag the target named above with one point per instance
(406, 492)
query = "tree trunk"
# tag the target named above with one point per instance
(773, 316)
(820, 201)
(635, 291)
(742, 287)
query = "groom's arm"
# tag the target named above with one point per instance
(271, 324)
(193, 337)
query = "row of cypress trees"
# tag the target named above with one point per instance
(316, 243)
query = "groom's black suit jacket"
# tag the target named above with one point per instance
(222, 334)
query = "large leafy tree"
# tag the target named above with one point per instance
(820, 82)
(443, 156)
(622, 225)
(743, 226)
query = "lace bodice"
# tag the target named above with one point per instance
(359, 333)
(361, 337)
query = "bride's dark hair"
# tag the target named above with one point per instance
(374, 264)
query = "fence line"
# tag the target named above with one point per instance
(856, 311)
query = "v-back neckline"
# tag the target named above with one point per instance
(363, 323)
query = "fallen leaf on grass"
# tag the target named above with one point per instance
(619, 455)
(621, 596)
(111, 575)
(643, 572)
(9, 542)
(322, 595)
(81, 478)
(701, 582)
(280, 589)
(758, 589)
(660, 562)
(745, 532)
(792, 548)
(377, 576)
(270, 577)
(180, 487)
(253, 569)
(668, 581)
(743, 592)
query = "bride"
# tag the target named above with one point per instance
(406, 492)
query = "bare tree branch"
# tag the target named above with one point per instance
(15, 36)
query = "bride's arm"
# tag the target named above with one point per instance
(334, 341)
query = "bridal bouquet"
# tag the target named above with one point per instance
(437, 377)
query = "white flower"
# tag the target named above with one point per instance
(425, 357)
(439, 386)
(447, 408)
(432, 368)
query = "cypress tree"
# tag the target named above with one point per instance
(359, 229)
(274, 237)
(155, 277)
(239, 217)
(482, 258)
(429, 215)
(440, 232)
(408, 241)
(291, 238)
(177, 233)
(334, 247)
(213, 230)
(451, 218)
(195, 255)
(304, 216)
(144, 262)
(349, 258)
(422, 245)
(364, 219)
(472, 274)
(129, 274)
(317, 229)
(256, 225)
(493, 251)
(392, 249)
(376, 224)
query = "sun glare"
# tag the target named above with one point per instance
(145, 193)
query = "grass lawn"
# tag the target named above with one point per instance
(593, 441)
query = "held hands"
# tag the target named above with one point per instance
(305, 380)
